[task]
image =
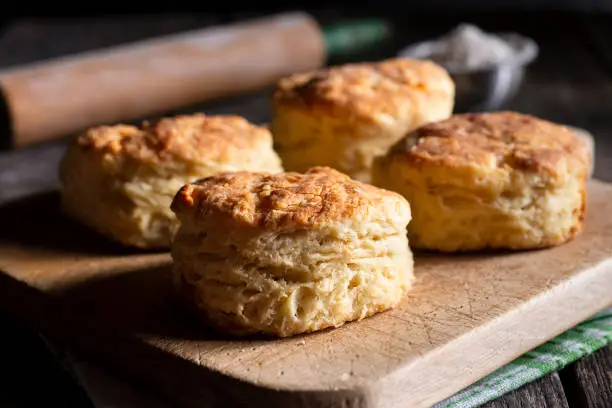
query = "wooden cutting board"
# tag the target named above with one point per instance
(467, 316)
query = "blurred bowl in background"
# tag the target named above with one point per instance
(487, 88)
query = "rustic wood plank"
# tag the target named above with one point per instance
(33, 169)
(546, 392)
(588, 382)
(594, 374)
(474, 320)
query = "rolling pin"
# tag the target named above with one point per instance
(62, 96)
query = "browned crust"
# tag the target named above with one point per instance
(281, 201)
(500, 139)
(191, 137)
(364, 90)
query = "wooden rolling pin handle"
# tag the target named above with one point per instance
(63, 96)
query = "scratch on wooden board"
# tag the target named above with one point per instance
(198, 355)
(386, 332)
(312, 365)
(269, 358)
(426, 328)
(259, 370)
(468, 294)
(382, 351)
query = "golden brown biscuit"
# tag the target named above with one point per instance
(343, 116)
(494, 180)
(120, 180)
(290, 253)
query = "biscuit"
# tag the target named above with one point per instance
(589, 140)
(289, 253)
(489, 181)
(120, 180)
(344, 116)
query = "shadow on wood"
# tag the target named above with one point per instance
(37, 221)
(137, 301)
(181, 381)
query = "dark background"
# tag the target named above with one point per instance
(571, 82)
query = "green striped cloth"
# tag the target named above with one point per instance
(575, 343)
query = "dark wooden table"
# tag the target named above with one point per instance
(571, 83)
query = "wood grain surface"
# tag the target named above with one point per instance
(545, 392)
(471, 313)
(595, 377)
(588, 382)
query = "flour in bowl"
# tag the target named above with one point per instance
(466, 47)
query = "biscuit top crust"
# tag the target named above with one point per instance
(366, 90)
(189, 137)
(496, 140)
(287, 201)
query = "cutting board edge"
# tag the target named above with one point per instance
(598, 277)
(374, 391)
(605, 264)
